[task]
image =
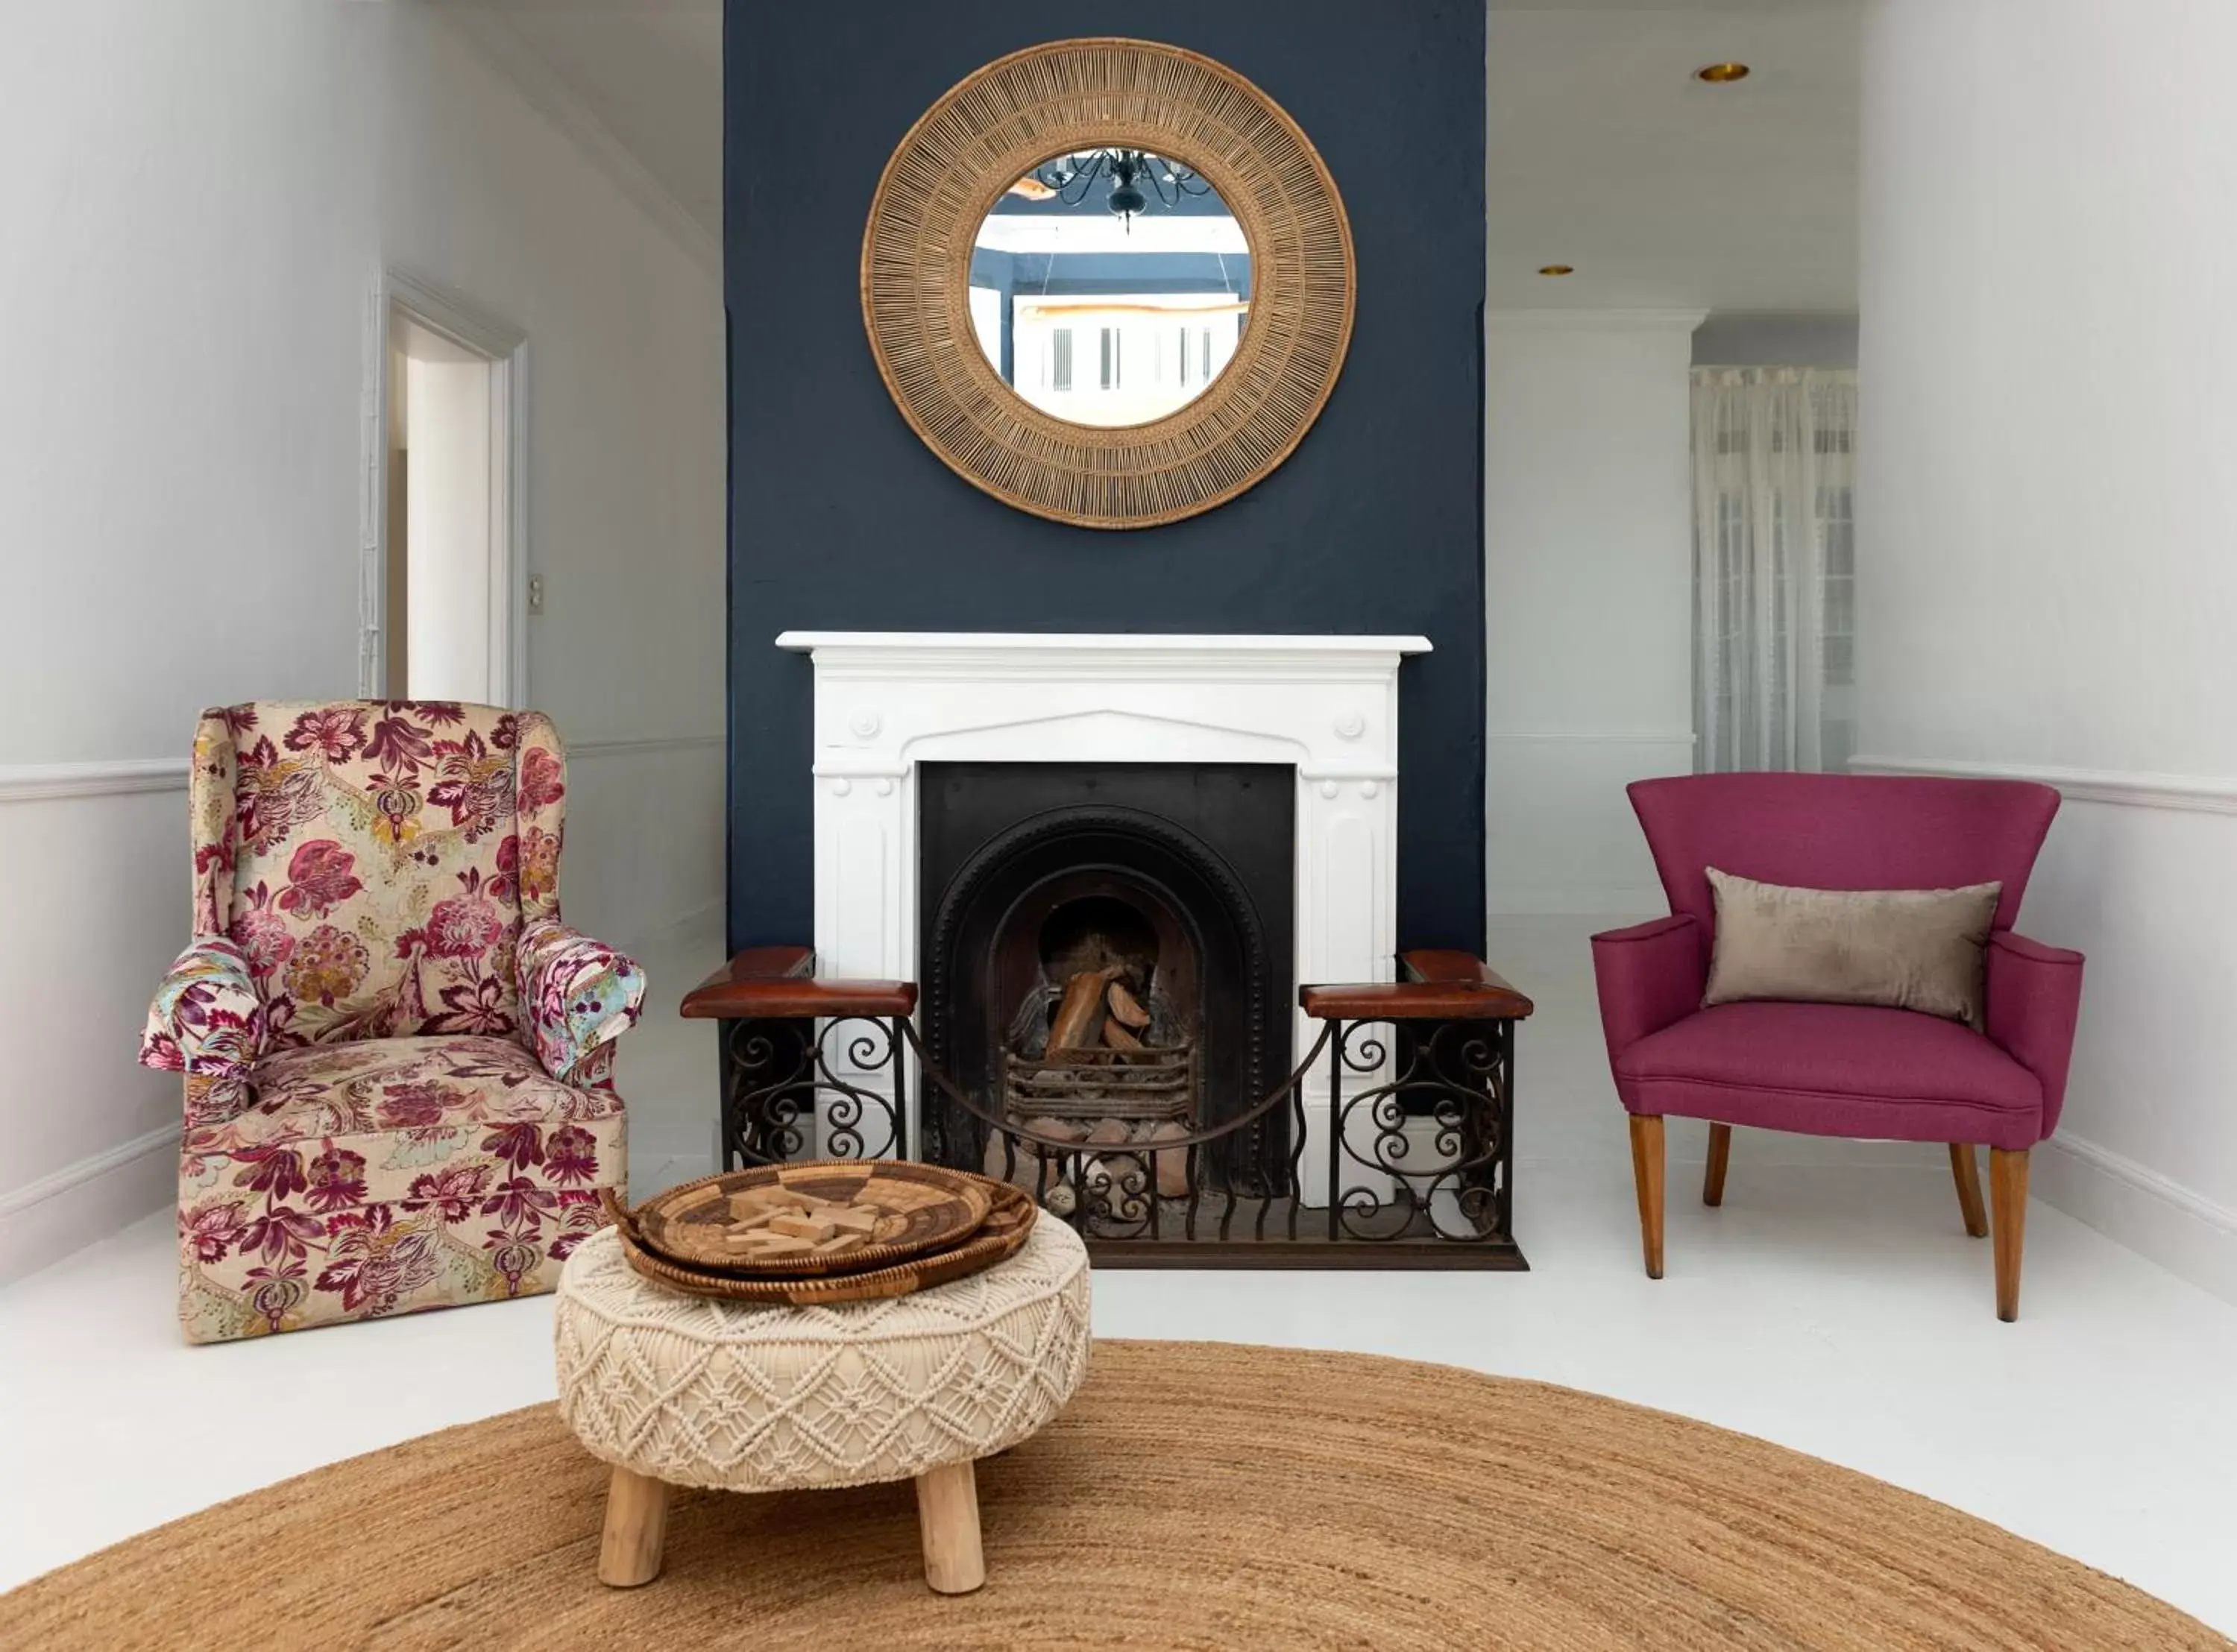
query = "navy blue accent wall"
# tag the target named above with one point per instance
(842, 519)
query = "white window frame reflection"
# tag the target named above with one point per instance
(1151, 354)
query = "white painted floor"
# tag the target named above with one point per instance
(1834, 1305)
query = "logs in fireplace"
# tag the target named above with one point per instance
(1099, 1054)
(1099, 1036)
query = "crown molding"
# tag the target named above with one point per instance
(500, 44)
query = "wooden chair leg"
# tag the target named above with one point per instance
(2008, 1186)
(1966, 1171)
(636, 1528)
(1647, 1171)
(948, 1515)
(1721, 1155)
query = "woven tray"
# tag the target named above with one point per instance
(1009, 1222)
(921, 1208)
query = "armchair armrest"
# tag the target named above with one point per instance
(207, 1022)
(2033, 1000)
(579, 994)
(1650, 976)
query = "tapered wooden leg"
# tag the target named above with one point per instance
(2007, 1183)
(636, 1526)
(947, 1513)
(1647, 1171)
(1967, 1170)
(1721, 1155)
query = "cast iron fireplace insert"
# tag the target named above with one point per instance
(1053, 892)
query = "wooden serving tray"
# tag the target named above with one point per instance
(920, 1207)
(1009, 1223)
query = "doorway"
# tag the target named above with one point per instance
(446, 576)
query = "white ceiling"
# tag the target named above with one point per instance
(1604, 152)
(650, 71)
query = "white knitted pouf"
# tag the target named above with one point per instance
(675, 1390)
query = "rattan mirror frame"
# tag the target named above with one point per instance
(988, 131)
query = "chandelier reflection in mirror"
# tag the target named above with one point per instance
(1096, 319)
(1072, 179)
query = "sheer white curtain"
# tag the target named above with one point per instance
(1774, 567)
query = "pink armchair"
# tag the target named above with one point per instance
(1840, 1070)
(398, 1059)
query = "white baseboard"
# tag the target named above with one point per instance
(45, 1220)
(2155, 1216)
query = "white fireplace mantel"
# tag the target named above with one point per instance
(1325, 707)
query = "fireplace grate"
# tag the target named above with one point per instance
(1148, 1086)
(1408, 1085)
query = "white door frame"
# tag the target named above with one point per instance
(506, 348)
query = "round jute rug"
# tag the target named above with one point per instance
(1194, 1496)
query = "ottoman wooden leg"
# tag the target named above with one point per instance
(947, 1512)
(637, 1525)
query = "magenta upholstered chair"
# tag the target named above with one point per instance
(1829, 1069)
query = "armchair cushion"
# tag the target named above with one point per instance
(1834, 1069)
(207, 1022)
(580, 994)
(419, 1096)
(388, 1174)
(406, 1107)
(1902, 948)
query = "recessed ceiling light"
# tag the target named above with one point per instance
(1557, 269)
(1723, 74)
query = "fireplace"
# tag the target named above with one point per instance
(890, 706)
(1112, 917)
(1107, 960)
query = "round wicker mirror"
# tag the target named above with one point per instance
(1157, 116)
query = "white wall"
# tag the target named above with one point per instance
(1588, 542)
(626, 476)
(2048, 506)
(201, 198)
(1589, 581)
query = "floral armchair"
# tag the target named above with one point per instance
(398, 1059)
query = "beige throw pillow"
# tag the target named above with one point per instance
(1909, 949)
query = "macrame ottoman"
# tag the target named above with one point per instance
(675, 1390)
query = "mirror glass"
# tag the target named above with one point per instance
(1109, 287)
